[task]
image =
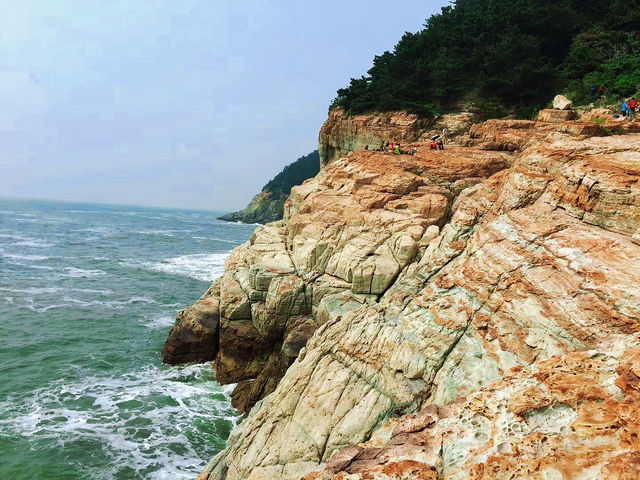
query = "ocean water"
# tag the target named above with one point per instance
(88, 294)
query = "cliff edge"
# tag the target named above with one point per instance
(466, 313)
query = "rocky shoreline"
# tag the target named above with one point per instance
(466, 313)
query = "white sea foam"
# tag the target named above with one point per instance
(31, 290)
(216, 239)
(13, 236)
(30, 304)
(139, 418)
(101, 230)
(81, 303)
(31, 258)
(33, 244)
(44, 290)
(74, 272)
(241, 224)
(160, 321)
(37, 304)
(166, 233)
(202, 266)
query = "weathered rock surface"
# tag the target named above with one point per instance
(573, 416)
(342, 134)
(347, 235)
(194, 337)
(494, 289)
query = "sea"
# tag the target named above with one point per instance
(88, 295)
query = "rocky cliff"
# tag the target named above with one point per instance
(343, 133)
(466, 313)
(268, 205)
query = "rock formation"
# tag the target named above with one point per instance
(457, 314)
(267, 206)
(572, 416)
(342, 133)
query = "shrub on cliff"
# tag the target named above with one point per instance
(503, 56)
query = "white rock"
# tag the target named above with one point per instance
(560, 102)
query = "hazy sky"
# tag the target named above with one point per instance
(179, 103)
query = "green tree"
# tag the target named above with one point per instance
(502, 55)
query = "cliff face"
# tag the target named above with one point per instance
(342, 134)
(471, 313)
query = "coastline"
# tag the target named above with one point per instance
(397, 284)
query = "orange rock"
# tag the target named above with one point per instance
(486, 297)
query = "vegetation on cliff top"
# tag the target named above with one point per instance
(505, 57)
(268, 205)
(295, 173)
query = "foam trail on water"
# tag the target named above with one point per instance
(201, 266)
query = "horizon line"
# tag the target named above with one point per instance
(85, 202)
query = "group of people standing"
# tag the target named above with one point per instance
(630, 107)
(392, 147)
(439, 145)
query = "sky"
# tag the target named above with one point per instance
(184, 104)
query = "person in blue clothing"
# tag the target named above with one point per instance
(625, 109)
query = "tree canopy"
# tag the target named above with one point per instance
(504, 57)
(295, 173)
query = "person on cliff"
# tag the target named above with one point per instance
(396, 151)
(633, 107)
(433, 145)
(440, 145)
(386, 147)
(625, 108)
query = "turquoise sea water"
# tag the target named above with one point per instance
(88, 294)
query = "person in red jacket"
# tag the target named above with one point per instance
(633, 107)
